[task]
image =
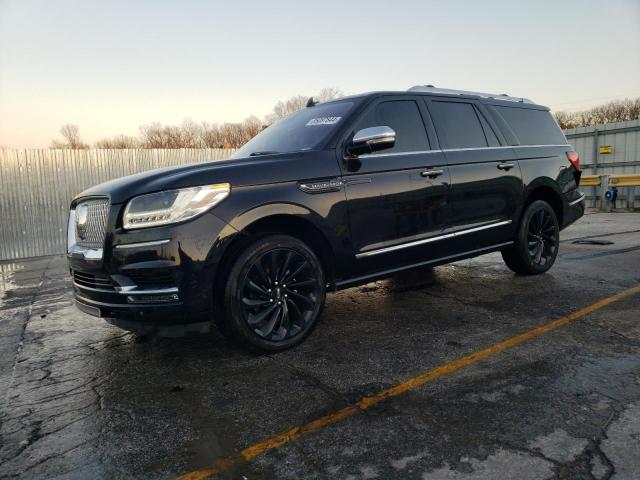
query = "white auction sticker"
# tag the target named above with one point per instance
(323, 121)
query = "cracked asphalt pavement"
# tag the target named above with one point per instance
(83, 399)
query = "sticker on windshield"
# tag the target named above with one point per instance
(323, 121)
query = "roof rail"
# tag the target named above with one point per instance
(448, 91)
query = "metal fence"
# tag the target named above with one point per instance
(36, 187)
(612, 149)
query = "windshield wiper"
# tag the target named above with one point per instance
(265, 152)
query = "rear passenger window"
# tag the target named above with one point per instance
(492, 140)
(404, 117)
(532, 127)
(458, 125)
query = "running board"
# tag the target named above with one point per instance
(438, 261)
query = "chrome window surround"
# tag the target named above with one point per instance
(431, 239)
(418, 152)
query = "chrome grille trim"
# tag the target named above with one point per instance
(90, 228)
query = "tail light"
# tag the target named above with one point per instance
(574, 158)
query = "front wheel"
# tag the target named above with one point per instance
(274, 294)
(537, 241)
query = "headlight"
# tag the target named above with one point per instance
(172, 206)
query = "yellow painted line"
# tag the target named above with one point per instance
(366, 402)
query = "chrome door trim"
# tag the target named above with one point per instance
(383, 273)
(581, 199)
(501, 147)
(431, 239)
(419, 152)
(142, 244)
(395, 154)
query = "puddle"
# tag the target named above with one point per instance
(6, 272)
(592, 242)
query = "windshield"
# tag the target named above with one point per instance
(303, 130)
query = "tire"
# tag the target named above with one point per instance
(274, 294)
(537, 241)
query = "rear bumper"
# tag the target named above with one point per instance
(572, 207)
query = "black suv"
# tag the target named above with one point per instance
(335, 195)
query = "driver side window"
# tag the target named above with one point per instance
(404, 117)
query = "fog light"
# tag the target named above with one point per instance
(171, 297)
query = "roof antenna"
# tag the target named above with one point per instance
(311, 102)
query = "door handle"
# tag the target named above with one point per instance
(506, 166)
(431, 173)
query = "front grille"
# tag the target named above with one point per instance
(91, 222)
(93, 280)
(152, 278)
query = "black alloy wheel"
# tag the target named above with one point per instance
(542, 237)
(275, 293)
(537, 241)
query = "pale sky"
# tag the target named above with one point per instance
(111, 66)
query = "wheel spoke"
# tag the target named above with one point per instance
(302, 283)
(255, 302)
(257, 318)
(264, 278)
(274, 266)
(298, 296)
(257, 288)
(538, 254)
(287, 261)
(295, 310)
(286, 318)
(295, 272)
(268, 328)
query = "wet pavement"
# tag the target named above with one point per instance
(83, 399)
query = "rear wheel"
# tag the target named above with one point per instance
(537, 241)
(274, 294)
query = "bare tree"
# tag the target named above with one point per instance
(152, 136)
(118, 142)
(284, 108)
(617, 111)
(329, 93)
(298, 102)
(71, 134)
(211, 136)
(198, 135)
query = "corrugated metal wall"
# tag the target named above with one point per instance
(624, 137)
(36, 187)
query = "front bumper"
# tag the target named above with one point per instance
(153, 279)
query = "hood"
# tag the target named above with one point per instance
(238, 172)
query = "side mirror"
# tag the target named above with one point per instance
(372, 139)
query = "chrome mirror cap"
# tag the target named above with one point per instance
(375, 135)
(371, 139)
